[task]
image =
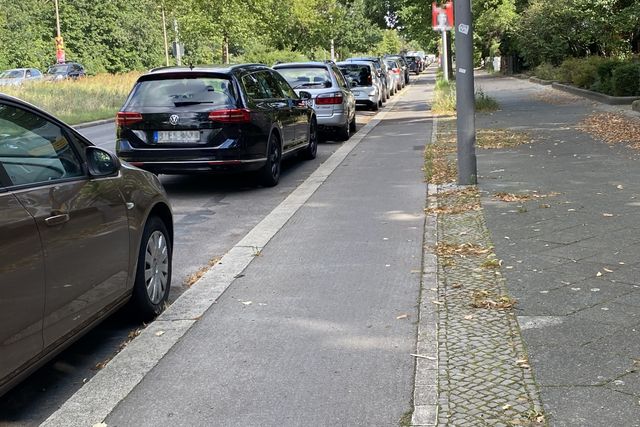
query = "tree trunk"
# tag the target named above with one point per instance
(225, 49)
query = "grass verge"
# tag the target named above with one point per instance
(77, 101)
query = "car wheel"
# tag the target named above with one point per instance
(153, 271)
(375, 106)
(311, 150)
(352, 124)
(270, 172)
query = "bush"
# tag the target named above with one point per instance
(625, 80)
(485, 103)
(581, 72)
(605, 72)
(547, 71)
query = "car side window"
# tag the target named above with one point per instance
(34, 150)
(253, 88)
(271, 85)
(285, 87)
(341, 82)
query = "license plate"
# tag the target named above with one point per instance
(168, 136)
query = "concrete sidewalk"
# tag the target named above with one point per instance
(572, 260)
(319, 329)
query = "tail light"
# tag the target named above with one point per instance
(126, 118)
(329, 99)
(370, 80)
(396, 70)
(236, 115)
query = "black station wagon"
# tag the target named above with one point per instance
(215, 119)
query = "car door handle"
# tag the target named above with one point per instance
(56, 219)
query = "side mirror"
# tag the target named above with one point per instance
(305, 95)
(100, 162)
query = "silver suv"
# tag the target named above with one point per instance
(331, 97)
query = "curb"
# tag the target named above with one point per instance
(93, 123)
(540, 81)
(600, 97)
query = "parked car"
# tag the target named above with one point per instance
(331, 97)
(403, 64)
(19, 76)
(82, 234)
(414, 64)
(239, 118)
(381, 71)
(397, 74)
(69, 70)
(367, 87)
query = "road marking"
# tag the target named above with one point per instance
(92, 403)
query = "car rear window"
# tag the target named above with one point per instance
(306, 77)
(361, 74)
(216, 91)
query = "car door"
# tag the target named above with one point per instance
(22, 282)
(82, 221)
(299, 109)
(282, 107)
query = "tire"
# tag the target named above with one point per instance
(154, 259)
(311, 150)
(344, 132)
(352, 124)
(375, 106)
(269, 175)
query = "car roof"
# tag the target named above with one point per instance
(303, 64)
(356, 62)
(218, 69)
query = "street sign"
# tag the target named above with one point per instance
(442, 17)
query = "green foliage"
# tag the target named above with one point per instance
(262, 54)
(605, 69)
(444, 99)
(547, 71)
(626, 80)
(485, 103)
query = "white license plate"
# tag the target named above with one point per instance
(166, 136)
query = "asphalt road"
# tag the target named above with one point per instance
(211, 214)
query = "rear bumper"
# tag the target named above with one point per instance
(179, 161)
(335, 120)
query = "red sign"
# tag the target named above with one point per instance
(442, 17)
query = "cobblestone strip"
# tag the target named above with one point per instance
(484, 377)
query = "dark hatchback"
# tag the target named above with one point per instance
(215, 119)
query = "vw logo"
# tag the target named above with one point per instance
(174, 119)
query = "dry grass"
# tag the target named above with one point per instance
(555, 97)
(514, 197)
(193, 278)
(78, 101)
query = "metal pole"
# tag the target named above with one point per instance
(465, 99)
(57, 19)
(445, 54)
(164, 32)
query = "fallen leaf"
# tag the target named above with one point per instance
(247, 302)
(100, 425)
(468, 317)
(159, 333)
(619, 187)
(402, 316)
(599, 274)
(607, 214)
(438, 302)
(607, 270)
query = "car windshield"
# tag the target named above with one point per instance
(392, 64)
(12, 74)
(184, 91)
(361, 74)
(58, 69)
(306, 77)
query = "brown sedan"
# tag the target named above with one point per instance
(80, 235)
